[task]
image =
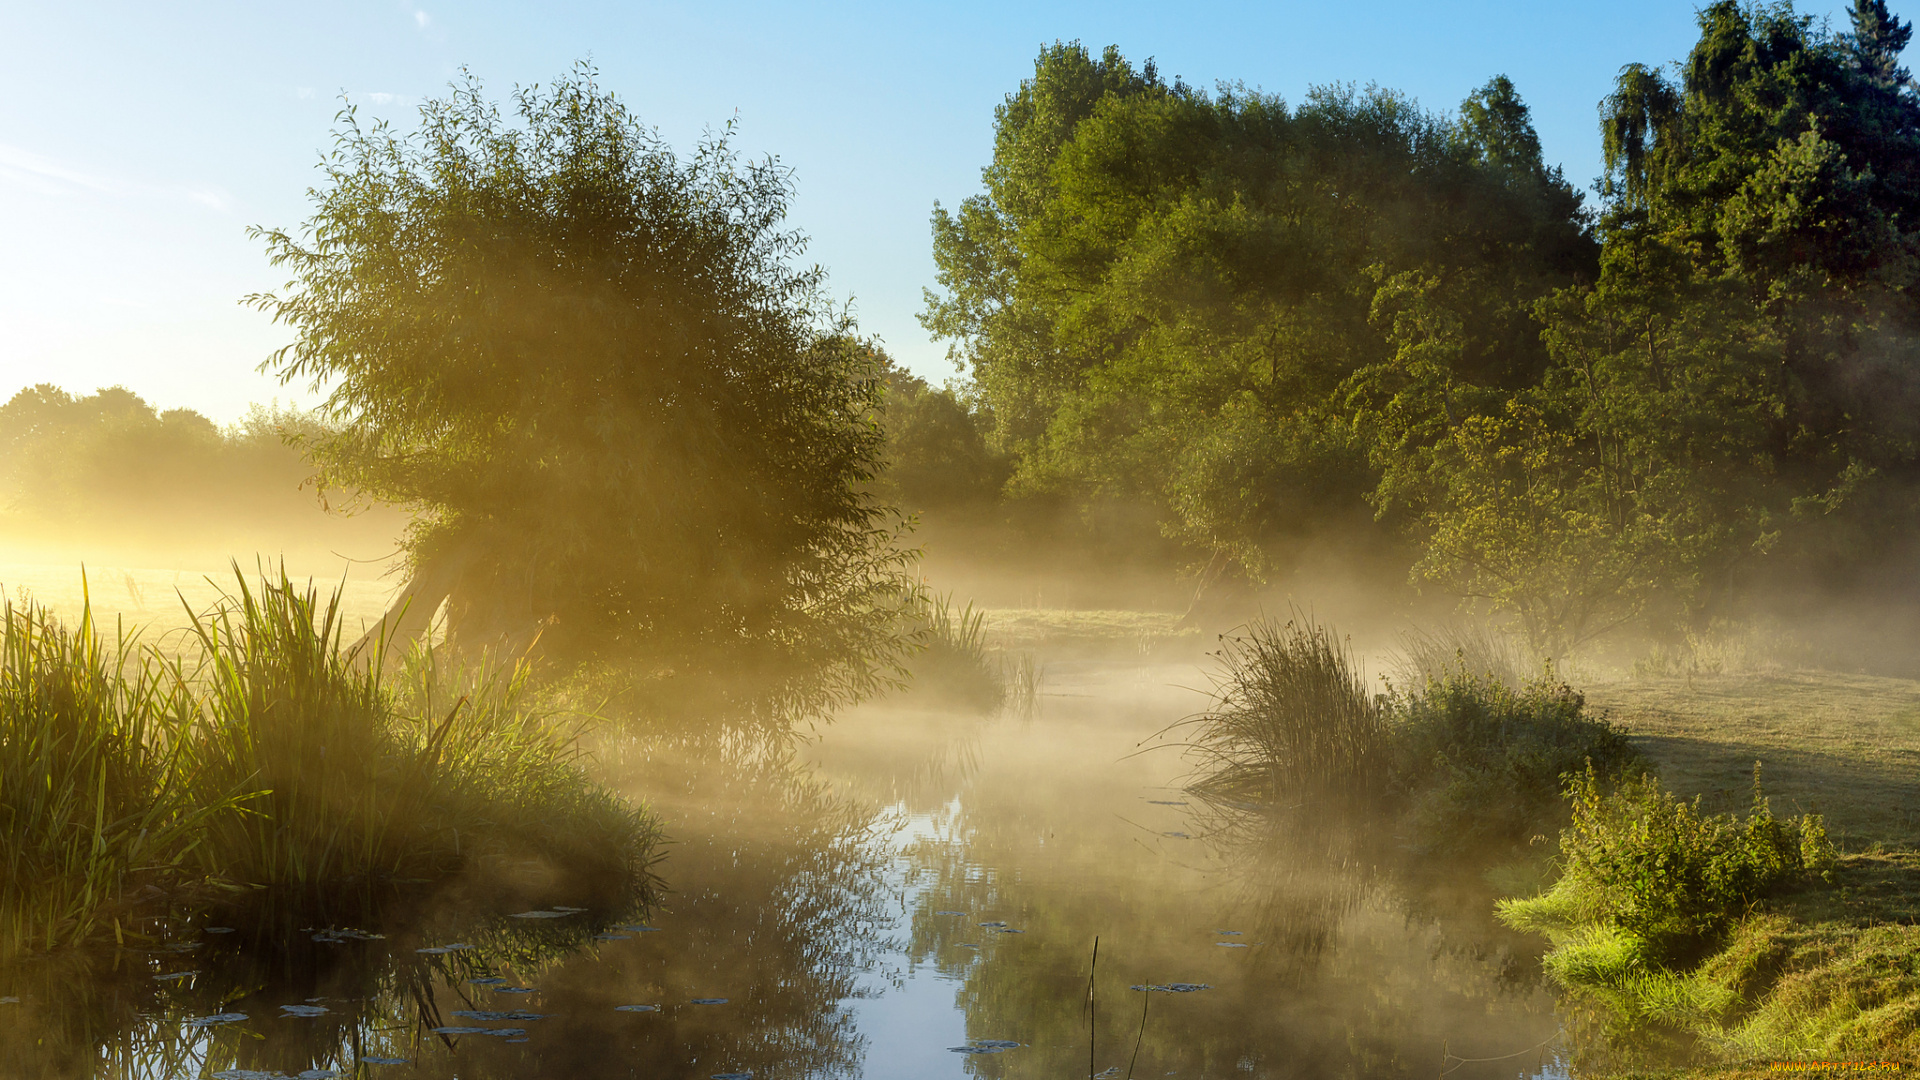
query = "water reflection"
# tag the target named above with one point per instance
(913, 894)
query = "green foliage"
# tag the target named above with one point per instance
(937, 456)
(1161, 292)
(1650, 877)
(100, 777)
(632, 427)
(1481, 766)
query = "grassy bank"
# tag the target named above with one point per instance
(270, 764)
(1802, 964)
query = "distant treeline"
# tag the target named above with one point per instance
(109, 471)
(1270, 323)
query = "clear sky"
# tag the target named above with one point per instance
(138, 140)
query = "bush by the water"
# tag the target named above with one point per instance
(1463, 763)
(1648, 880)
(276, 762)
(1482, 765)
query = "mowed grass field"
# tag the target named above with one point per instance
(1845, 746)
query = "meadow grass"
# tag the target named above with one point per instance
(1795, 957)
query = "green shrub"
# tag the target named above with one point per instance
(1482, 766)
(1667, 880)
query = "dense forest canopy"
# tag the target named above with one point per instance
(1354, 316)
(629, 424)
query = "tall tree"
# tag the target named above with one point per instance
(629, 424)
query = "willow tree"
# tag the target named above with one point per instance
(630, 426)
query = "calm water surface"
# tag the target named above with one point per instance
(916, 895)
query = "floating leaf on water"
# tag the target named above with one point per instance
(540, 914)
(709, 1001)
(515, 990)
(1174, 988)
(172, 975)
(993, 925)
(462, 1031)
(490, 980)
(216, 1018)
(506, 1033)
(216, 929)
(636, 1008)
(304, 1010)
(487, 1014)
(382, 1061)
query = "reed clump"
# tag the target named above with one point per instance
(954, 664)
(1461, 764)
(276, 764)
(101, 779)
(1292, 721)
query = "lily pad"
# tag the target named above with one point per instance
(636, 1008)
(215, 1020)
(304, 1010)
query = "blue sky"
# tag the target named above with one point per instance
(137, 141)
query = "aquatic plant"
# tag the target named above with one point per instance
(100, 785)
(954, 664)
(356, 783)
(1292, 720)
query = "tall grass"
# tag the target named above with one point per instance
(100, 782)
(275, 762)
(954, 664)
(1292, 720)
